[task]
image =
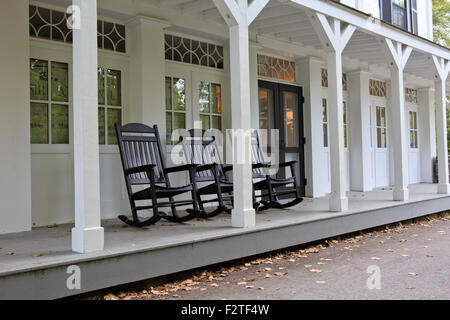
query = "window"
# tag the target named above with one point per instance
(210, 104)
(411, 95)
(51, 24)
(345, 126)
(193, 52)
(110, 104)
(49, 108)
(276, 68)
(377, 88)
(325, 122)
(399, 15)
(413, 130)
(175, 106)
(324, 75)
(381, 127)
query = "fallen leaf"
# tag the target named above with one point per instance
(249, 287)
(203, 289)
(405, 255)
(267, 275)
(214, 285)
(280, 274)
(308, 265)
(111, 297)
(267, 269)
(261, 288)
(242, 283)
(413, 274)
(37, 255)
(9, 253)
(316, 270)
(375, 258)
(320, 282)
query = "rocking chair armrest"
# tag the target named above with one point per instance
(287, 164)
(260, 165)
(227, 168)
(139, 169)
(206, 167)
(185, 167)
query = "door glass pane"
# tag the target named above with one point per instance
(205, 122)
(216, 98)
(179, 94)
(216, 122)
(39, 123)
(290, 104)
(204, 96)
(60, 124)
(114, 116)
(179, 120)
(114, 90)
(168, 127)
(168, 86)
(263, 103)
(101, 86)
(38, 79)
(101, 126)
(60, 82)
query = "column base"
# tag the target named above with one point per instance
(401, 194)
(243, 218)
(338, 204)
(88, 240)
(443, 188)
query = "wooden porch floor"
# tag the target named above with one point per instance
(136, 254)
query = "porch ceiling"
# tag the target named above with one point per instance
(285, 21)
(282, 20)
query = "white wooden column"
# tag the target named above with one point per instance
(238, 16)
(427, 133)
(147, 72)
(398, 56)
(334, 39)
(359, 131)
(311, 80)
(15, 158)
(88, 235)
(442, 68)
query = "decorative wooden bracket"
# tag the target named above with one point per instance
(331, 34)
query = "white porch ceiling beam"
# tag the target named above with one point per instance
(274, 21)
(280, 28)
(334, 38)
(372, 26)
(88, 235)
(442, 68)
(196, 6)
(397, 56)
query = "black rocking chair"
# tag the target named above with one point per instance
(144, 165)
(201, 148)
(273, 188)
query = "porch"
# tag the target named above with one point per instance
(138, 254)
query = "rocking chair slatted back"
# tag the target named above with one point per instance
(258, 156)
(202, 149)
(140, 145)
